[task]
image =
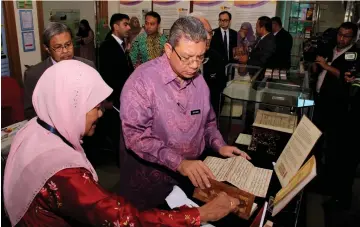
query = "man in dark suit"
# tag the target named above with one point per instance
(284, 42)
(115, 69)
(264, 47)
(59, 46)
(214, 69)
(331, 114)
(225, 38)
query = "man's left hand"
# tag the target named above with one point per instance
(321, 61)
(230, 151)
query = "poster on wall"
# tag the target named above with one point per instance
(135, 9)
(26, 20)
(70, 17)
(170, 11)
(250, 11)
(211, 9)
(4, 57)
(28, 40)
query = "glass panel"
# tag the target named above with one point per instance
(251, 84)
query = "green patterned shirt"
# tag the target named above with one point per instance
(146, 48)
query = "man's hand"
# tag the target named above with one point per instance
(348, 78)
(230, 151)
(218, 208)
(197, 172)
(321, 61)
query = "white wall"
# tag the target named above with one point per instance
(332, 14)
(33, 57)
(113, 7)
(87, 10)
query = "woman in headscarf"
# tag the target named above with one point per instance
(135, 29)
(246, 39)
(48, 179)
(85, 38)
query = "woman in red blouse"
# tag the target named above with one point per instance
(48, 179)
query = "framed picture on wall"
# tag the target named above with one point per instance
(166, 32)
(28, 40)
(26, 20)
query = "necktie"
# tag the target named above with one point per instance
(123, 46)
(225, 45)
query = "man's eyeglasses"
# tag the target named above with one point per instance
(189, 61)
(60, 48)
(344, 36)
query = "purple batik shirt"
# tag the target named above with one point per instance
(164, 121)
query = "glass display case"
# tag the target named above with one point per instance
(251, 88)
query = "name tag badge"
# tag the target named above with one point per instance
(350, 56)
(194, 112)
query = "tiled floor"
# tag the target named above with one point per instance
(109, 176)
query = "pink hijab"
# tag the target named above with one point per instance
(62, 97)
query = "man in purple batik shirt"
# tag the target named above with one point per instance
(167, 120)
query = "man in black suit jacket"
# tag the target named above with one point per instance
(218, 44)
(115, 69)
(213, 70)
(332, 113)
(284, 42)
(58, 44)
(264, 47)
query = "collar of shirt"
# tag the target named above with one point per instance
(53, 61)
(117, 39)
(264, 35)
(170, 75)
(222, 31)
(275, 33)
(338, 53)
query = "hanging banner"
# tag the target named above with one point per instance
(211, 9)
(250, 11)
(135, 9)
(170, 11)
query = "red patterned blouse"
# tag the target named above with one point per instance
(72, 198)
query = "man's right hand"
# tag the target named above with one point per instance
(197, 172)
(218, 208)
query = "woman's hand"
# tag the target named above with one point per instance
(218, 208)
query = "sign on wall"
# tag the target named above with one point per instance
(242, 11)
(170, 11)
(135, 9)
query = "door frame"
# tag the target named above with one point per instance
(12, 41)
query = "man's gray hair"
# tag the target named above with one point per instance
(188, 27)
(52, 29)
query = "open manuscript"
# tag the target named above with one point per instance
(241, 173)
(297, 183)
(296, 150)
(275, 121)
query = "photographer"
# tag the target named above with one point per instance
(332, 99)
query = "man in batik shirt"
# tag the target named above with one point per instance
(150, 44)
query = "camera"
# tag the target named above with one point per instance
(320, 45)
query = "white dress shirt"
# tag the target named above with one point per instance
(227, 41)
(323, 73)
(275, 33)
(119, 41)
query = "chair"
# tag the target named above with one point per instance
(12, 101)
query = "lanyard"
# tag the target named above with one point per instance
(53, 131)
